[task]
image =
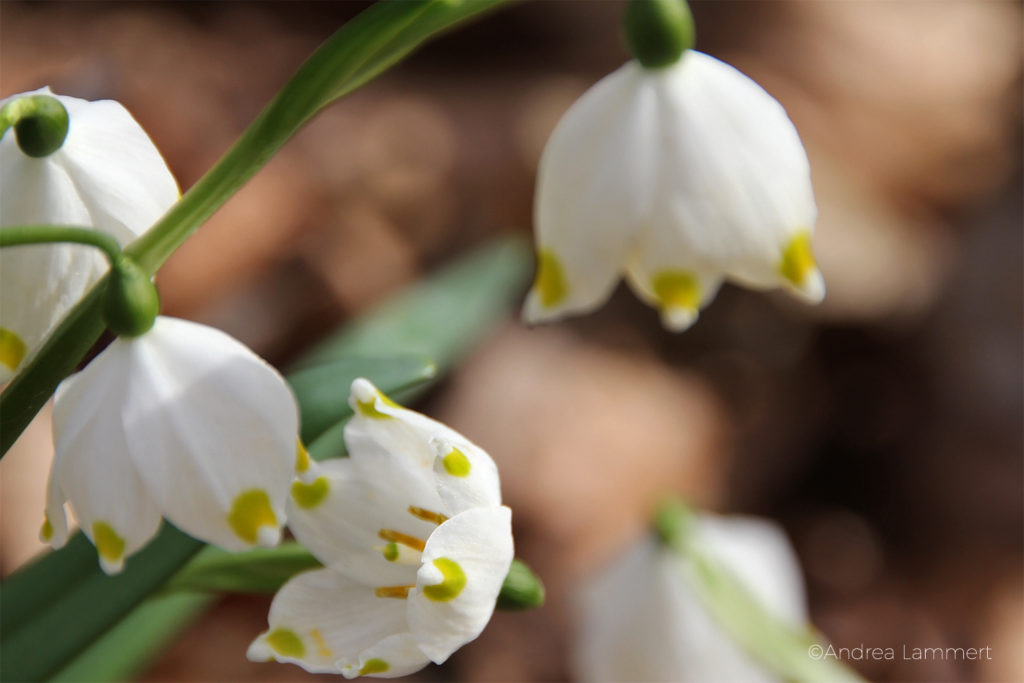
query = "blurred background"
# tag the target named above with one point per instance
(882, 429)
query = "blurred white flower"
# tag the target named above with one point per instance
(107, 175)
(415, 541)
(643, 618)
(678, 177)
(182, 422)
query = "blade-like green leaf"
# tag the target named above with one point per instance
(124, 650)
(322, 389)
(262, 570)
(364, 47)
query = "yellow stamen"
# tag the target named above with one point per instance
(321, 644)
(393, 592)
(427, 515)
(404, 539)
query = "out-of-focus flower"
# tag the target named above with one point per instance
(643, 618)
(415, 541)
(106, 175)
(678, 177)
(182, 422)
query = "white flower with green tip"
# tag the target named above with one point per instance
(415, 541)
(678, 178)
(644, 618)
(182, 422)
(107, 175)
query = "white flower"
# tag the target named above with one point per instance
(107, 175)
(643, 619)
(678, 177)
(415, 541)
(182, 422)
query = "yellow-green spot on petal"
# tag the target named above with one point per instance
(310, 495)
(286, 642)
(550, 284)
(797, 259)
(369, 408)
(374, 666)
(456, 463)
(390, 552)
(250, 512)
(676, 289)
(301, 457)
(46, 533)
(109, 544)
(12, 349)
(453, 583)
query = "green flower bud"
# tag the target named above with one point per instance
(659, 31)
(672, 522)
(40, 124)
(522, 589)
(131, 302)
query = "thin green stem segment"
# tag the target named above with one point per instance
(363, 48)
(22, 235)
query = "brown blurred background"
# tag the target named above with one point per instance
(883, 429)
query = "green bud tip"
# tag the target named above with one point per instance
(522, 589)
(131, 302)
(40, 124)
(659, 31)
(672, 522)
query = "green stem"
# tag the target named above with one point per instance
(22, 235)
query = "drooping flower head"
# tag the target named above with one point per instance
(676, 177)
(108, 175)
(182, 422)
(415, 541)
(644, 617)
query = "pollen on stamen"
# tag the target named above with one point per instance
(393, 592)
(427, 515)
(404, 539)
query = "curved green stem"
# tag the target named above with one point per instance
(22, 235)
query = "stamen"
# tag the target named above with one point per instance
(427, 515)
(393, 591)
(404, 539)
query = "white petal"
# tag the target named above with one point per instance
(119, 173)
(55, 524)
(395, 656)
(212, 430)
(669, 280)
(466, 477)
(595, 188)
(320, 620)
(352, 505)
(92, 466)
(464, 566)
(735, 180)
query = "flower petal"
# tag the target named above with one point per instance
(464, 566)
(395, 656)
(735, 184)
(320, 619)
(93, 468)
(595, 188)
(212, 429)
(662, 278)
(466, 477)
(342, 527)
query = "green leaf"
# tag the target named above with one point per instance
(364, 47)
(322, 390)
(262, 570)
(522, 590)
(124, 650)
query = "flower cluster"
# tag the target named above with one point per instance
(415, 541)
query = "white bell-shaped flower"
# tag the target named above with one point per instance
(678, 178)
(182, 422)
(643, 618)
(107, 175)
(415, 541)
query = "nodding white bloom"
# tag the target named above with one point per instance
(678, 178)
(107, 175)
(643, 618)
(182, 422)
(415, 541)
